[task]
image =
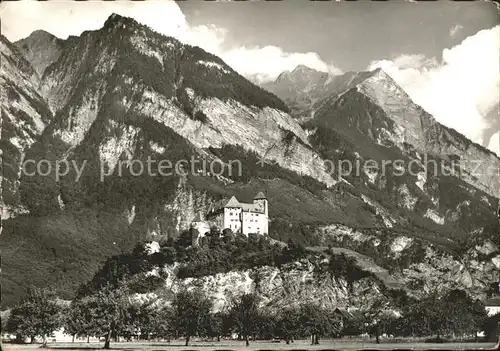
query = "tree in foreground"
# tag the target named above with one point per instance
(244, 311)
(288, 324)
(376, 312)
(103, 312)
(157, 321)
(215, 325)
(74, 320)
(192, 310)
(265, 324)
(38, 314)
(465, 315)
(452, 313)
(316, 321)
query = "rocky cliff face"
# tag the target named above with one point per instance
(479, 166)
(306, 280)
(290, 285)
(25, 115)
(78, 84)
(420, 265)
(125, 93)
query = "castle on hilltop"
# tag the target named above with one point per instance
(240, 217)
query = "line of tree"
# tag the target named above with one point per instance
(112, 313)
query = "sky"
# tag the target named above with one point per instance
(444, 54)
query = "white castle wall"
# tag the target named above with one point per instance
(242, 218)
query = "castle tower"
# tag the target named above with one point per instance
(261, 201)
(261, 204)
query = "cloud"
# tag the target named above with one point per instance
(495, 143)
(461, 90)
(62, 19)
(263, 64)
(66, 18)
(455, 29)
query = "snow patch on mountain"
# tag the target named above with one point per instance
(213, 65)
(7, 211)
(421, 180)
(408, 200)
(114, 146)
(496, 261)
(152, 247)
(156, 147)
(379, 210)
(400, 243)
(434, 216)
(140, 43)
(60, 202)
(131, 215)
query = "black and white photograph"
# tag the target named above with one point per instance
(250, 175)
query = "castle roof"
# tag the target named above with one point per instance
(247, 207)
(260, 195)
(250, 207)
(233, 202)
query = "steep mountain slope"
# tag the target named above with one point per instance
(411, 124)
(432, 159)
(481, 168)
(24, 116)
(126, 92)
(182, 87)
(125, 96)
(372, 118)
(433, 177)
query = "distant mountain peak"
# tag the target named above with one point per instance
(41, 49)
(41, 34)
(380, 81)
(380, 74)
(116, 20)
(303, 69)
(301, 73)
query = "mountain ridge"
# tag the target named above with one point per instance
(421, 129)
(125, 92)
(284, 74)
